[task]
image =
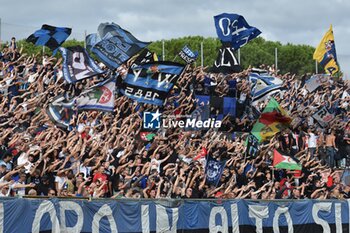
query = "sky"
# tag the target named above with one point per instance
(297, 21)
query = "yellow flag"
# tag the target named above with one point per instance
(325, 53)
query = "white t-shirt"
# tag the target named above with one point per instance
(60, 181)
(155, 164)
(312, 141)
(19, 191)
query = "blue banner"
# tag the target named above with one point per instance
(234, 30)
(188, 55)
(113, 45)
(151, 82)
(237, 216)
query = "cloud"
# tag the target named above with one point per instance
(298, 21)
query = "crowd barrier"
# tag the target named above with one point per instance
(163, 215)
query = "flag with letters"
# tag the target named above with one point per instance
(323, 117)
(234, 29)
(78, 65)
(99, 97)
(50, 36)
(151, 82)
(188, 55)
(226, 62)
(325, 53)
(113, 45)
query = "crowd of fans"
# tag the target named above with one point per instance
(102, 155)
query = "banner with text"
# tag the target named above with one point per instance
(30, 215)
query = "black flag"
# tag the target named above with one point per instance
(226, 62)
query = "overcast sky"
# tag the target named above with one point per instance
(297, 21)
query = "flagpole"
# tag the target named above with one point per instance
(316, 66)
(85, 39)
(174, 58)
(163, 50)
(202, 56)
(276, 59)
(239, 56)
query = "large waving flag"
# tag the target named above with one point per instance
(78, 65)
(113, 45)
(151, 82)
(50, 36)
(234, 29)
(272, 120)
(263, 85)
(284, 161)
(325, 53)
(98, 97)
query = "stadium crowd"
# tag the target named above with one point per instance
(102, 154)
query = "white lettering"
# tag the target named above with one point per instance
(278, 213)
(322, 206)
(145, 218)
(105, 210)
(72, 206)
(213, 228)
(46, 207)
(191, 122)
(234, 218)
(221, 25)
(338, 225)
(259, 213)
(163, 224)
(137, 73)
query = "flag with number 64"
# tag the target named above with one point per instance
(78, 65)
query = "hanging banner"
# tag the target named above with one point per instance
(237, 216)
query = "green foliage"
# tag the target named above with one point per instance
(296, 59)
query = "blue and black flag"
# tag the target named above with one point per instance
(151, 82)
(50, 36)
(113, 45)
(78, 65)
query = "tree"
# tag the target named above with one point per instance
(295, 59)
